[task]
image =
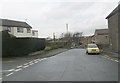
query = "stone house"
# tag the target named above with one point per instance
(114, 28)
(101, 36)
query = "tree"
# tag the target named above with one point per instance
(77, 38)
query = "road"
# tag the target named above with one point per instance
(72, 65)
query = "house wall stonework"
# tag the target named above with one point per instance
(113, 31)
(101, 39)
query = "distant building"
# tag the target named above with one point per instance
(35, 33)
(17, 28)
(93, 38)
(114, 27)
(101, 36)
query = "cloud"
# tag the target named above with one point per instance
(51, 17)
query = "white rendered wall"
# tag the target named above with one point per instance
(24, 34)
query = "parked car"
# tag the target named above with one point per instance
(92, 48)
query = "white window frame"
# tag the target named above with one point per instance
(20, 30)
(28, 30)
(33, 33)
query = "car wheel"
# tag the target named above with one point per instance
(98, 53)
(86, 52)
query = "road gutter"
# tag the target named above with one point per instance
(111, 58)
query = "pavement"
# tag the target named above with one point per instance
(12, 62)
(71, 65)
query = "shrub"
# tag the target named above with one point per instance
(12, 46)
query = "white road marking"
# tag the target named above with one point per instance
(31, 62)
(9, 74)
(19, 66)
(104, 57)
(26, 66)
(0, 79)
(112, 59)
(116, 60)
(23, 66)
(8, 70)
(36, 61)
(18, 69)
(11, 69)
(107, 57)
(42, 59)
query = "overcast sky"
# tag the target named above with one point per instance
(51, 16)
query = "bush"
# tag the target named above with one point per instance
(55, 45)
(12, 46)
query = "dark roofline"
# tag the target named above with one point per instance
(117, 9)
(101, 29)
(13, 23)
(96, 30)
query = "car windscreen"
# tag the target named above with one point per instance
(92, 46)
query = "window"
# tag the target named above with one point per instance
(7, 28)
(33, 33)
(28, 30)
(106, 37)
(92, 46)
(20, 30)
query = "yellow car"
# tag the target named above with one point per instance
(92, 48)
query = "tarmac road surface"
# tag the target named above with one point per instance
(72, 65)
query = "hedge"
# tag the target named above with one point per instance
(12, 46)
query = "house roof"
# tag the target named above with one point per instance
(12, 23)
(116, 10)
(101, 31)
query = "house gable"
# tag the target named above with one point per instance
(101, 32)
